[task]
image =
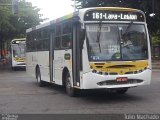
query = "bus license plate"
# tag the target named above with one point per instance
(121, 79)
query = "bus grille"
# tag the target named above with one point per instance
(114, 82)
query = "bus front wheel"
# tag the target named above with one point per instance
(72, 92)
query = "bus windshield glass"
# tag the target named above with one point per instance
(18, 50)
(117, 42)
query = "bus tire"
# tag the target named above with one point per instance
(72, 92)
(122, 91)
(38, 77)
(14, 68)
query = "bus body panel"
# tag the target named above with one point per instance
(40, 59)
(64, 59)
(58, 66)
(60, 63)
(43, 63)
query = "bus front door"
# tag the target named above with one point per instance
(51, 58)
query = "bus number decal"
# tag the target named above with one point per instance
(106, 16)
(103, 15)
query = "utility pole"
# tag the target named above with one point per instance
(15, 6)
(153, 9)
(74, 5)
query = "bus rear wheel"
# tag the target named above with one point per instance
(72, 92)
(14, 68)
(38, 77)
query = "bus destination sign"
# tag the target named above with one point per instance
(97, 15)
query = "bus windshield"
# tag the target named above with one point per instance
(19, 50)
(117, 42)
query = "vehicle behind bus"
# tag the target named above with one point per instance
(18, 53)
(94, 48)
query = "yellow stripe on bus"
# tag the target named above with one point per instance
(119, 67)
(117, 9)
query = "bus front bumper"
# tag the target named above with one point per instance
(95, 81)
(18, 64)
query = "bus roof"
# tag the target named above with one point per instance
(80, 13)
(69, 16)
(18, 39)
(112, 8)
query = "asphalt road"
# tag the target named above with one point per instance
(19, 94)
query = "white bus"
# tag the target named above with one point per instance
(94, 48)
(18, 51)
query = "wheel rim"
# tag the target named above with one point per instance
(38, 78)
(68, 84)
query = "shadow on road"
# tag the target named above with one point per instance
(7, 67)
(98, 96)
(102, 96)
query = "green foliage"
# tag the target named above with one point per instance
(12, 26)
(5, 25)
(28, 17)
(156, 40)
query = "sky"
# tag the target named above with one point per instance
(53, 9)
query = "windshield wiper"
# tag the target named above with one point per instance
(99, 35)
(128, 27)
(20, 50)
(121, 37)
(120, 40)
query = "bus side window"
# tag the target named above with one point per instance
(57, 42)
(28, 43)
(39, 44)
(32, 42)
(66, 41)
(58, 37)
(66, 35)
(67, 27)
(46, 39)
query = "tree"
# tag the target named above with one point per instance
(13, 26)
(28, 17)
(5, 25)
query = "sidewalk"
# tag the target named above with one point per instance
(4, 64)
(4, 67)
(156, 64)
